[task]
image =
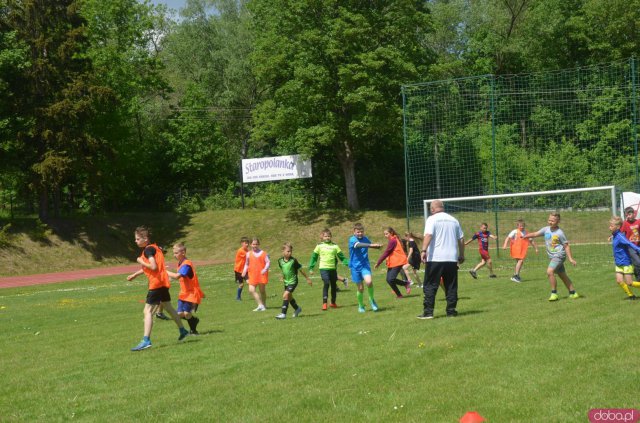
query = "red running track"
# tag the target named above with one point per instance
(73, 275)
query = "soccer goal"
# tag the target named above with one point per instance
(585, 213)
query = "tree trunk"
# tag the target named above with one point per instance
(348, 169)
(43, 209)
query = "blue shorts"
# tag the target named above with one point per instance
(357, 276)
(186, 307)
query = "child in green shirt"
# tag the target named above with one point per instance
(290, 267)
(327, 253)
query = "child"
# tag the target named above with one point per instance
(190, 293)
(241, 260)
(413, 254)
(483, 248)
(558, 251)
(360, 267)
(519, 247)
(624, 266)
(396, 262)
(256, 269)
(328, 253)
(290, 267)
(631, 229)
(152, 261)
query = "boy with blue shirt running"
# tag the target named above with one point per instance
(624, 266)
(360, 267)
(558, 251)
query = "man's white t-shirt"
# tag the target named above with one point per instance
(445, 231)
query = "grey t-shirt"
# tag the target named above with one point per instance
(555, 241)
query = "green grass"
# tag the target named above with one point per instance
(511, 355)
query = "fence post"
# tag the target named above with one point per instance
(493, 156)
(634, 110)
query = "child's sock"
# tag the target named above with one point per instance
(626, 289)
(239, 294)
(572, 292)
(285, 306)
(370, 292)
(360, 297)
(554, 291)
(293, 304)
(193, 321)
(146, 339)
(635, 284)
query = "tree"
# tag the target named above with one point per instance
(56, 98)
(333, 71)
(214, 84)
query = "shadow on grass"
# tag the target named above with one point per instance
(332, 217)
(104, 237)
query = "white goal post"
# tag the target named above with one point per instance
(610, 188)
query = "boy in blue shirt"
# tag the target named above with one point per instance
(360, 267)
(624, 266)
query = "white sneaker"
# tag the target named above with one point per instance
(260, 308)
(281, 316)
(297, 312)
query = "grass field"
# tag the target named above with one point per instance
(510, 355)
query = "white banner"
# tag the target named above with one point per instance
(275, 168)
(630, 199)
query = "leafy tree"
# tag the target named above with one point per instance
(333, 70)
(214, 84)
(56, 97)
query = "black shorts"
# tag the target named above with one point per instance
(291, 288)
(239, 278)
(415, 263)
(157, 296)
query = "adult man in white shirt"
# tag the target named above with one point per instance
(442, 251)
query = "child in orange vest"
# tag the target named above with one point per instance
(519, 247)
(152, 261)
(238, 268)
(396, 262)
(190, 293)
(256, 269)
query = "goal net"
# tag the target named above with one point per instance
(584, 212)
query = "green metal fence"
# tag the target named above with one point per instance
(491, 134)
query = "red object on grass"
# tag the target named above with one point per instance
(471, 417)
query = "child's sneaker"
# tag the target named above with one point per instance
(162, 316)
(516, 278)
(553, 297)
(183, 334)
(143, 345)
(333, 305)
(574, 295)
(260, 308)
(324, 306)
(361, 309)
(346, 281)
(631, 298)
(194, 332)
(374, 306)
(473, 274)
(407, 287)
(281, 316)
(297, 312)
(493, 276)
